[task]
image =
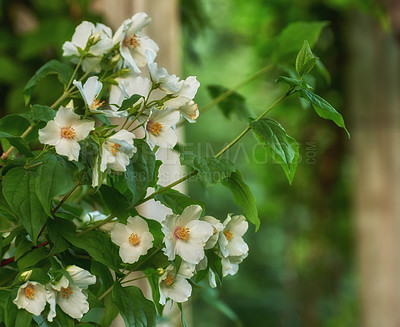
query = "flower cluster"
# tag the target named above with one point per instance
(133, 87)
(68, 293)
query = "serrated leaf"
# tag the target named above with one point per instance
(63, 71)
(134, 308)
(54, 177)
(243, 196)
(290, 40)
(234, 103)
(176, 201)
(305, 60)
(324, 109)
(19, 190)
(42, 113)
(283, 148)
(127, 103)
(99, 247)
(211, 170)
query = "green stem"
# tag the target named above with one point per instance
(74, 73)
(232, 143)
(66, 196)
(132, 280)
(98, 224)
(227, 93)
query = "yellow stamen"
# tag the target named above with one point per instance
(134, 239)
(169, 281)
(154, 128)
(115, 148)
(96, 103)
(66, 292)
(67, 132)
(228, 234)
(131, 41)
(182, 233)
(30, 291)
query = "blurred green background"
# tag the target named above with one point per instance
(301, 266)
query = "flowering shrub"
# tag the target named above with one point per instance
(70, 206)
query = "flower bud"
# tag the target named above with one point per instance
(25, 276)
(161, 271)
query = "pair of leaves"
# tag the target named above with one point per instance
(29, 192)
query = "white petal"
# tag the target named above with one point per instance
(82, 128)
(65, 117)
(81, 277)
(166, 138)
(238, 225)
(237, 246)
(167, 117)
(69, 49)
(137, 225)
(92, 89)
(50, 134)
(75, 305)
(120, 234)
(82, 33)
(190, 213)
(69, 148)
(36, 304)
(189, 87)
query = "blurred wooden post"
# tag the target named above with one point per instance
(374, 100)
(165, 31)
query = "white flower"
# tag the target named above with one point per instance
(188, 87)
(158, 127)
(230, 240)
(133, 44)
(186, 235)
(65, 131)
(174, 286)
(134, 239)
(217, 228)
(230, 265)
(190, 111)
(102, 42)
(168, 83)
(32, 297)
(92, 217)
(117, 150)
(70, 297)
(128, 86)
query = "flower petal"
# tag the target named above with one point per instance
(69, 148)
(50, 134)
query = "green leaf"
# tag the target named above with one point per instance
(243, 196)
(291, 38)
(283, 148)
(103, 276)
(127, 103)
(64, 73)
(116, 202)
(110, 311)
(134, 308)
(23, 319)
(32, 258)
(19, 190)
(305, 60)
(54, 177)
(56, 229)
(324, 109)
(234, 103)
(211, 170)
(17, 142)
(292, 82)
(176, 201)
(141, 170)
(153, 279)
(11, 311)
(99, 247)
(42, 113)
(22, 246)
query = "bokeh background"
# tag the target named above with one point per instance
(327, 250)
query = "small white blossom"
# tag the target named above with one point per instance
(217, 228)
(101, 43)
(65, 131)
(32, 297)
(134, 239)
(166, 82)
(71, 297)
(117, 150)
(174, 286)
(159, 129)
(190, 111)
(230, 240)
(186, 235)
(230, 265)
(133, 44)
